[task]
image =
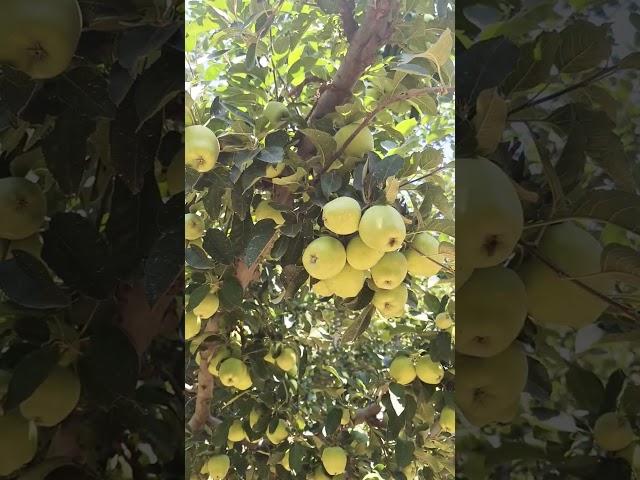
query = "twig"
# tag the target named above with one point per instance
(349, 23)
(433, 172)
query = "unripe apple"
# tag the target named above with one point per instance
(322, 289)
(201, 148)
(208, 306)
(362, 143)
(423, 251)
(429, 371)
(264, 210)
(272, 171)
(448, 419)
(402, 370)
(612, 431)
(22, 208)
(489, 216)
(18, 443)
(360, 256)
(443, 321)
(390, 271)
(275, 112)
(491, 309)
(382, 228)
(192, 325)
(221, 354)
(54, 399)
(324, 258)
(348, 283)
(334, 460)
(236, 432)
(341, 215)
(218, 467)
(193, 226)
(319, 474)
(287, 359)
(279, 434)
(234, 373)
(391, 303)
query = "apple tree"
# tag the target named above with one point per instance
(318, 234)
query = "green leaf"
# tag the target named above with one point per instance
(583, 45)
(262, 235)
(29, 373)
(334, 416)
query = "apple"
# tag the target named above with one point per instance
(18, 443)
(448, 419)
(254, 416)
(348, 283)
(208, 306)
(429, 371)
(423, 251)
(193, 226)
(486, 386)
(287, 359)
(280, 433)
(175, 174)
(22, 208)
(285, 461)
(272, 171)
(554, 300)
(491, 309)
(319, 474)
(234, 373)
(322, 289)
(264, 210)
(334, 460)
(402, 370)
(462, 275)
(361, 144)
(612, 431)
(341, 215)
(192, 325)
(54, 399)
(390, 303)
(346, 417)
(275, 112)
(489, 216)
(236, 432)
(382, 228)
(222, 353)
(39, 37)
(443, 321)
(360, 256)
(31, 245)
(218, 467)
(201, 148)
(390, 271)
(325, 257)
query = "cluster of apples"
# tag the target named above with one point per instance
(373, 252)
(493, 301)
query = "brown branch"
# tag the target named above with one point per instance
(204, 394)
(349, 23)
(246, 274)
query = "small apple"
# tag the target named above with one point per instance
(272, 171)
(443, 321)
(341, 215)
(334, 460)
(264, 210)
(382, 228)
(208, 306)
(236, 432)
(348, 283)
(218, 467)
(322, 289)
(429, 371)
(423, 258)
(193, 226)
(201, 148)
(402, 370)
(18, 443)
(612, 431)
(22, 208)
(287, 359)
(360, 256)
(324, 258)
(222, 353)
(279, 434)
(390, 271)
(54, 399)
(192, 325)
(234, 373)
(361, 144)
(275, 112)
(391, 303)
(448, 419)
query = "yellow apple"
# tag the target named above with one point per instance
(491, 309)
(486, 386)
(218, 467)
(448, 419)
(348, 283)
(275, 112)
(402, 370)
(264, 210)
(360, 256)
(39, 37)
(175, 174)
(272, 171)
(341, 215)
(54, 399)
(360, 145)
(390, 271)
(322, 289)
(279, 434)
(236, 432)
(18, 443)
(287, 359)
(234, 373)
(382, 228)
(208, 306)
(443, 321)
(334, 460)
(201, 148)
(192, 325)
(429, 371)
(22, 208)
(222, 353)
(391, 303)
(285, 461)
(612, 431)
(324, 258)
(489, 217)
(193, 226)
(423, 258)
(554, 300)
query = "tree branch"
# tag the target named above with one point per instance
(202, 413)
(349, 23)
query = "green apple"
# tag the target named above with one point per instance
(322, 289)
(236, 432)
(341, 215)
(491, 309)
(287, 359)
(443, 321)
(192, 324)
(423, 257)
(280, 433)
(18, 443)
(612, 431)
(193, 226)
(201, 148)
(175, 174)
(360, 256)
(234, 373)
(208, 306)
(319, 474)
(285, 461)
(325, 257)
(348, 283)
(39, 37)
(402, 370)
(275, 112)
(31, 245)
(554, 300)
(334, 460)
(429, 371)
(448, 419)
(222, 353)
(361, 144)
(22, 208)
(489, 216)
(218, 467)
(390, 271)
(244, 382)
(54, 399)
(382, 228)
(486, 386)
(264, 210)
(272, 171)
(391, 303)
